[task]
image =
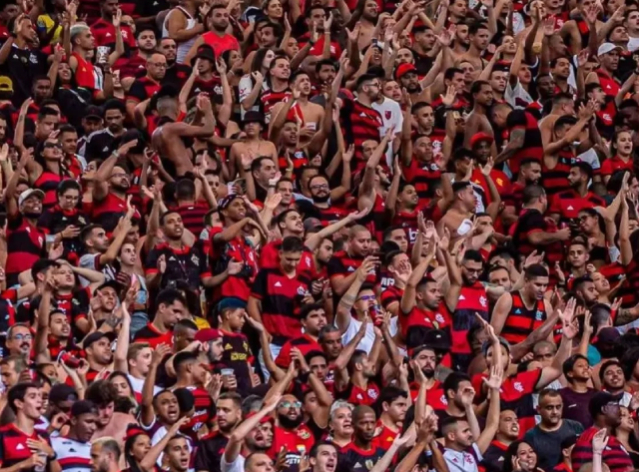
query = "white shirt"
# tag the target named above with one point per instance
(463, 461)
(236, 466)
(365, 344)
(393, 119)
(73, 456)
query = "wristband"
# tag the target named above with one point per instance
(428, 453)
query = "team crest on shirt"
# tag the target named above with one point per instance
(372, 393)
(388, 114)
(301, 291)
(439, 318)
(369, 464)
(40, 241)
(195, 259)
(302, 433)
(482, 301)
(539, 315)
(518, 386)
(443, 400)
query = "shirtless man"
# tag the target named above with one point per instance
(310, 114)
(370, 17)
(458, 217)
(110, 423)
(477, 122)
(562, 104)
(168, 138)
(479, 39)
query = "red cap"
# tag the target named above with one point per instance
(404, 69)
(480, 137)
(207, 334)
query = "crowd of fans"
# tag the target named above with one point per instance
(319, 235)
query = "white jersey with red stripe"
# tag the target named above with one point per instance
(73, 456)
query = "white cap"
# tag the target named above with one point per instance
(605, 48)
(28, 193)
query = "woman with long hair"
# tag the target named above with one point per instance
(253, 84)
(520, 457)
(626, 435)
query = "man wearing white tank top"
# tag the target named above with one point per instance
(183, 24)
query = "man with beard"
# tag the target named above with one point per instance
(25, 242)
(553, 429)
(362, 453)
(176, 74)
(421, 307)
(19, 341)
(565, 206)
(173, 260)
(291, 434)
(75, 446)
(263, 172)
(209, 454)
(21, 58)
(394, 403)
(21, 447)
(110, 424)
(11, 368)
(136, 65)
(517, 314)
(105, 455)
(397, 265)
(608, 56)
(168, 138)
(406, 75)
(252, 144)
(323, 196)
(111, 184)
(97, 346)
(102, 143)
(312, 319)
(254, 434)
(507, 433)
(477, 121)
(418, 166)
(343, 267)
(479, 39)
(360, 121)
(218, 38)
(171, 308)
(99, 254)
(529, 173)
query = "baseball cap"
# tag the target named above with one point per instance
(114, 284)
(28, 193)
(487, 344)
(606, 48)
(82, 407)
(6, 84)
(253, 117)
(205, 52)
(477, 137)
(93, 337)
(92, 112)
(62, 393)
(404, 69)
(312, 224)
(599, 401)
(207, 334)
(226, 201)
(231, 303)
(608, 335)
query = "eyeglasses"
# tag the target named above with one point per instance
(290, 405)
(50, 145)
(367, 298)
(22, 337)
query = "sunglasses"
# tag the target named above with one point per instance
(290, 405)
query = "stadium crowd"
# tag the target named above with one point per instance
(319, 235)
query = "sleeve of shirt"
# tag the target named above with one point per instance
(151, 263)
(260, 290)
(528, 379)
(335, 267)
(90, 261)
(606, 168)
(205, 268)
(516, 120)
(137, 92)
(283, 359)
(555, 205)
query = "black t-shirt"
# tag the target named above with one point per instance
(354, 459)
(209, 453)
(549, 442)
(22, 66)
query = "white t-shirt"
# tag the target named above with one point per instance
(633, 44)
(366, 344)
(463, 461)
(236, 466)
(392, 117)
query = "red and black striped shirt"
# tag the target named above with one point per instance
(521, 321)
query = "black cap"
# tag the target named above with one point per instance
(205, 52)
(114, 284)
(253, 117)
(226, 201)
(92, 112)
(608, 335)
(96, 336)
(132, 135)
(599, 401)
(488, 343)
(82, 407)
(62, 393)
(438, 339)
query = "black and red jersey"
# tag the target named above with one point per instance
(186, 263)
(423, 176)
(48, 182)
(360, 396)
(533, 147)
(521, 321)
(108, 211)
(281, 298)
(270, 259)
(472, 300)
(555, 180)
(25, 246)
(193, 216)
(342, 264)
(237, 250)
(142, 89)
(55, 220)
(360, 123)
(354, 459)
(569, 203)
(14, 447)
(238, 356)
(391, 294)
(414, 325)
(150, 335)
(304, 343)
(208, 455)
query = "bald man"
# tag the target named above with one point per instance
(360, 455)
(144, 87)
(105, 455)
